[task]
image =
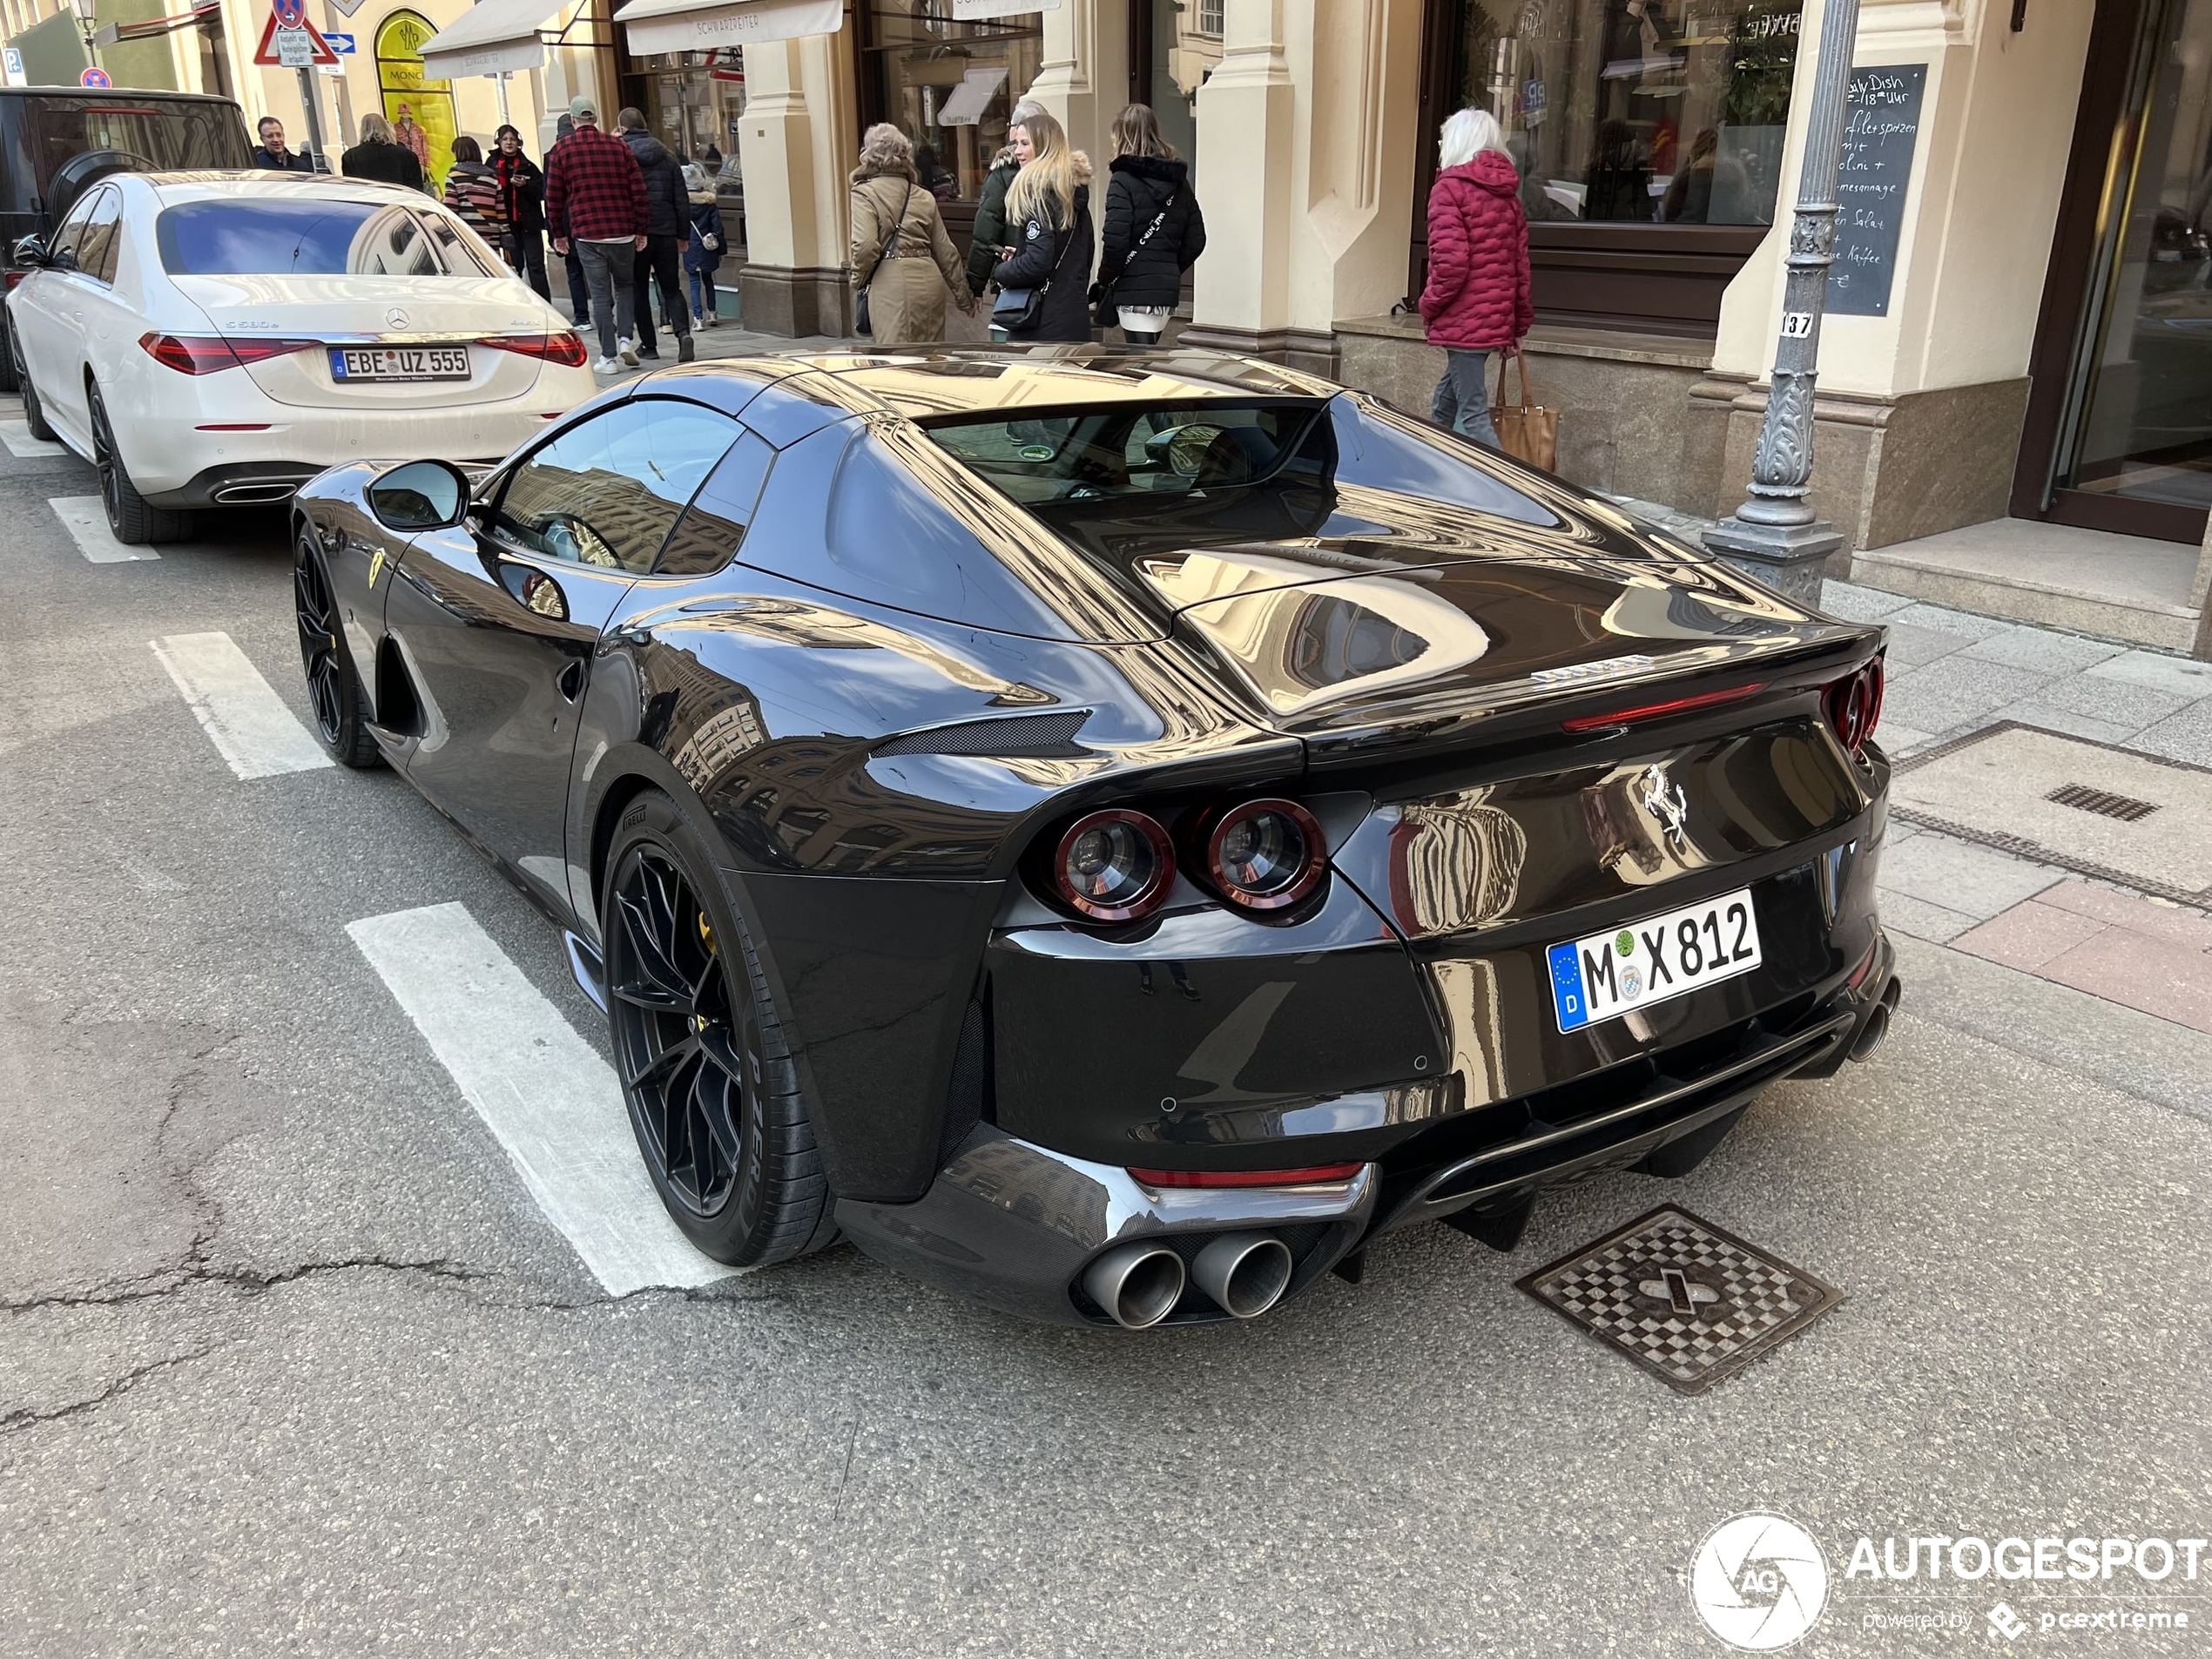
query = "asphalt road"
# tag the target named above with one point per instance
(292, 1361)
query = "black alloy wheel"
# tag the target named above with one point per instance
(135, 520)
(711, 1091)
(34, 412)
(333, 687)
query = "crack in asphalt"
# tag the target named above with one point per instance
(26, 1418)
(251, 1281)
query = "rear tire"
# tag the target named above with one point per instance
(18, 379)
(11, 375)
(334, 689)
(705, 1070)
(136, 522)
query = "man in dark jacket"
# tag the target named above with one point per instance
(1154, 232)
(668, 222)
(595, 198)
(271, 152)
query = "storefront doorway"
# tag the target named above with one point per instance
(2119, 431)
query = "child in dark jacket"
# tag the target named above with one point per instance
(702, 252)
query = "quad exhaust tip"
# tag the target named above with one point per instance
(1244, 1273)
(1136, 1283)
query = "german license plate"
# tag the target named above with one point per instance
(399, 363)
(1631, 967)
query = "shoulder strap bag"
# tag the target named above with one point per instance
(1527, 430)
(1104, 312)
(1020, 309)
(862, 323)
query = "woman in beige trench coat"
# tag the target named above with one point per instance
(906, 295)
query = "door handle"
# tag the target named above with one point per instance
(571, 680)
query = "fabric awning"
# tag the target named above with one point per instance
(490, 37)
(695, 25)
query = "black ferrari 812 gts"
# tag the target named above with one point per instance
(1111, 832)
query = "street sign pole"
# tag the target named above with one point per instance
(310, 102)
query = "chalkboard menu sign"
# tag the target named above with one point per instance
(1882, 126)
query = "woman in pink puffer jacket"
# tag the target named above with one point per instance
(1476, 302)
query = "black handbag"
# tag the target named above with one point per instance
(862, 324)
(1017, 310)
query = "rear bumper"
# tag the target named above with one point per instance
(1015, 1225)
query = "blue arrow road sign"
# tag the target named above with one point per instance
(340, 43)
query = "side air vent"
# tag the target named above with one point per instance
(1043, 736)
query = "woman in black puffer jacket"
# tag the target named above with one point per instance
(1154, 230)
(1048, 215)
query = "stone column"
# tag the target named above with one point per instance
(793, 280)
(1083, 78)
(1247, 139)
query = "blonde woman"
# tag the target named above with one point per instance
(901, 259)
(376, 157)
(1043, 285)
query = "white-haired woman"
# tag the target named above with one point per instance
(901, 257)
(1476, 302)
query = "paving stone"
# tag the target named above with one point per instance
(2115, 702)
(1958, 691)
(1898, 741)
(2139, 971)
(1944, 619)
(1970, 881)
(2176, 923)
(1854, 603)
(1910, 647)
(2155, 669)
(2028, 935)
(2042, 650)
(2183, 736)
(1906, 915)
(2057, 719)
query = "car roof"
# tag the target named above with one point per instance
(955, 381)
(215, 185)
(110, 93)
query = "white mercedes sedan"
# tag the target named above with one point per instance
(218, 338)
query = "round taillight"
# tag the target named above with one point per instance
(1855, 705)
(1265, 854)
(1114, 866)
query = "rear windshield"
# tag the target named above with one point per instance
(166, 136)
(1124, 450)
(310, 237)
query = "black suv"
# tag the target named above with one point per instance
(55, 141)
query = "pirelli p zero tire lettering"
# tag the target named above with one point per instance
(705, 1070)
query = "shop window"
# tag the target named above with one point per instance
(1176, 44)
(1648, 135)
(947, 85)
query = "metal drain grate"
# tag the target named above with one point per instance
(2103, 802)
(1688, 1302)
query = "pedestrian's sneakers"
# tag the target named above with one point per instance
(668, 328)
(709, 320)
(606, 366)
(684, 349)
(630, 353)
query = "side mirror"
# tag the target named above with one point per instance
(31, 252)
(420, 495)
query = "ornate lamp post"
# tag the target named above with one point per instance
(1774, 535)
(89, 27)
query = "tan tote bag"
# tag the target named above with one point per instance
(1527, 430)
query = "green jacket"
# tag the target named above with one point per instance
(990, 223)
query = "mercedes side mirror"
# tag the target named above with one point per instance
(31, 252)
(420, 495)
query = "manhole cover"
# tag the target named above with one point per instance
(2019, 788)
(1687, 1301)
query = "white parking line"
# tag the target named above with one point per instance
(23, 446)
(245, 720)
(544, 1091)
(86, 520)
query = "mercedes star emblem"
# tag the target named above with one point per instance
(395, 318)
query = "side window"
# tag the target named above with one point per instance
(606, 492)
(62, 249)
(97, 249)
(708, 534)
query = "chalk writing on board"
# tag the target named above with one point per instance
(1880, 130)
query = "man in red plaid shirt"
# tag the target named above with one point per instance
(595, 197)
